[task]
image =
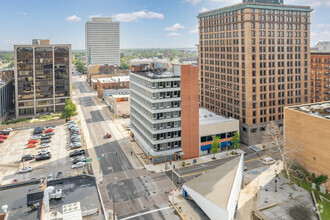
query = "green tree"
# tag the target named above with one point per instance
(11, 65)
(69, 109)
(124, 66)
(215, 145)
(80, 66)
(236, 141)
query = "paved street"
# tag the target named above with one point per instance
(138, 193)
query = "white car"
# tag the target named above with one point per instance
(44, 145)
(268, 160)
(78, 165)
(8, 129)
(44, 151)
(75, 145)
(82, 157)
(25, 170)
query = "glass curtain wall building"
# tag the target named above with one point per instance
(42, 78)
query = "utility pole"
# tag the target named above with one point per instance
(113, 206)
(173, 167)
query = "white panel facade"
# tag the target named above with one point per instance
(102, 40)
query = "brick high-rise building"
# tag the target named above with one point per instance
(254, 59)
(320, 76)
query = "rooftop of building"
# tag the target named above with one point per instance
(208, 117)
(255, 5)
(114, 79)
(216, 185)
(116, 91)
(157, 74)
(81, 189)
(144, 61)
(319, 109)
(324, 53)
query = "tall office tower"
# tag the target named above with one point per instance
(102, 42)
(320, 76)
(254, 59)
(164, 110)
(42, 77)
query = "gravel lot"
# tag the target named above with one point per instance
(15, 146)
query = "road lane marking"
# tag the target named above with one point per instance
(244, 162)
(144, 213)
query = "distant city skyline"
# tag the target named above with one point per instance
(165, 24)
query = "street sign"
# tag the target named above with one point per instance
(89, 159)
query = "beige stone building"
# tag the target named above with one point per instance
(254, 59)
(307, 129)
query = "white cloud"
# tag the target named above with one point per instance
(95, 16)
(173, 35)
(194, 30)
(231, 2)
(73, 18)
(193, 2)
(203, 10)
(22, 13)
(312, 3)
(323, 26)
(135, 16)
(175, 27)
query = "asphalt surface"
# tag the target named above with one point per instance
(136, 197)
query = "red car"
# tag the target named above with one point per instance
(108, 135)
(49, 130)
(3, 136)
(33, 141)
(31, 145)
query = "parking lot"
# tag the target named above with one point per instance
(12, 150)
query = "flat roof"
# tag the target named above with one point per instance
(319, 109)
(208, 117)
(216, 184)
(116, 91)
(114, 79)
(80, 188)
(157, 74)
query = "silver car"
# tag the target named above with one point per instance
(78, 165)
(44, 145)
(25, 170)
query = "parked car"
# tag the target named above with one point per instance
(80, 156)
(45, 141)
(49, 130)
(43, 157)
(44, 145)
(245, 168)
(59, 175)
(78, 160)
(50, 127)
(1, 141)
(75, 136)
(71, 122)
(33, 141)
(128, 128)
(25, 170)
(31, 145)
(3, 136)
(77, 153)
(37, 136)
(4, 132)
(268, 160)
(75, 139)
(8, 129)
(75, 145)
(50, 176)
(78, 165)
(27, 157)
(46, 137)
(49, 133)
(38, 130)
(74, 132)
(73, 129)
(108, 135)
(43, 151)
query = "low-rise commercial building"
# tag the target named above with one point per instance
(320, 76)
(307, 132)
(116, 82)
(211, 124)
(118, 101)
(101, 70)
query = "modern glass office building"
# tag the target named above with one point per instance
(42, 77)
